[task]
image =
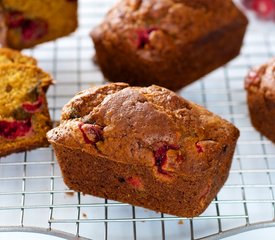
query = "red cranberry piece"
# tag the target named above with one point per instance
(264, 8)
(251, 79)
(14, 129)
(32, 107)
(34, 29)
(135, 182)
(199, 148)
(161, 157)
(14, 19)
(92, 133)
(247, 3)
(254, 76)
(143, 37)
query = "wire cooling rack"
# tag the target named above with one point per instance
(34, 198)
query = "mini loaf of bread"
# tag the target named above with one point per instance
(144, 146)
(24, 115)
(166, 42)
(260, 86)
(25, 23)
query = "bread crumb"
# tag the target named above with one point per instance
(180, 222)
(84, 215)
(71, 194)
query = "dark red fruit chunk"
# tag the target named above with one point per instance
(135, 182)
(14, 19)
(92, 133)
(86, 139)
(199, 148)
(254, 76)
(247, 3)
(264, 8)
(34, 29)
(32, 107)
(161, 157)
(14, 129)
(143, 36)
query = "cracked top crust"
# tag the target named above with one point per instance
(134, 125)
(167, 23)
(262, 78)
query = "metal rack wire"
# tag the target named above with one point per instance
(33, 197)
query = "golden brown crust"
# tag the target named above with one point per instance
(260, 86)
(8, 55)
(176, 141)
(166, 40)
(182, 21)
(24, 84)
(181, 123)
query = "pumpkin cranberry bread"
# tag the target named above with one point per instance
(25, 23)
(24, 115)
(144, 146)
(167, 42)
(260, 86)
(12, 56)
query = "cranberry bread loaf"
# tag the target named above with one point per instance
(166, 42)
(25, 23)
(12, 56)
(260, 86)
(144, 146)
(24, 115)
